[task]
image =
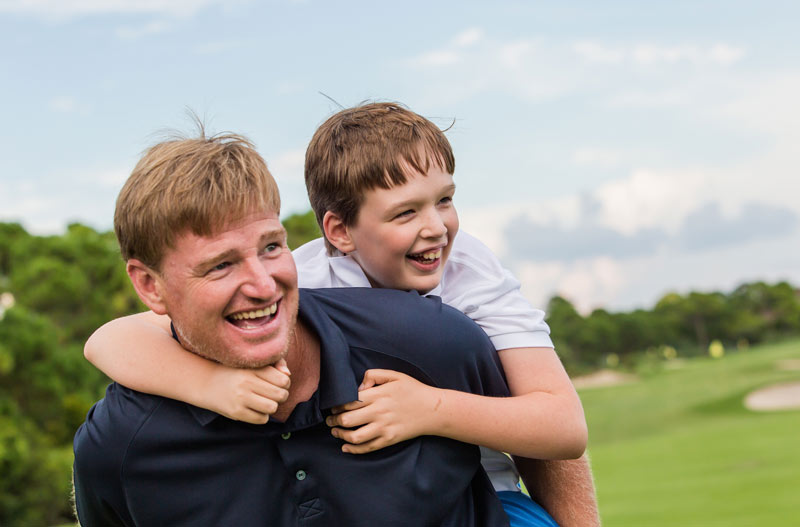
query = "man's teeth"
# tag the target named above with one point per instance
(258, 313)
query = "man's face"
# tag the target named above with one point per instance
(232, 296)
(404, 234)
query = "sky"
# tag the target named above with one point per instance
(610, 152)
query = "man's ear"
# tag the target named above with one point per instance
(337, 233)
(148, 285)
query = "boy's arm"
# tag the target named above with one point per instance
(565, 489)
(543, 419)
(139, 352)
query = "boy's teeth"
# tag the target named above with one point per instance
(258, 313)
(432, 255)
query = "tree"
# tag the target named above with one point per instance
(301, 228)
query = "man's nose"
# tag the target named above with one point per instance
(258, 281)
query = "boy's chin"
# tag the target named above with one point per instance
(422, 286)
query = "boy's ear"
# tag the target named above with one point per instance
(337, 233)
(148, 285)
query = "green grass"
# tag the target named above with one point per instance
(678, 447)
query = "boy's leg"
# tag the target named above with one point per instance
(522, 511)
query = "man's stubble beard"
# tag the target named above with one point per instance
(207, 352)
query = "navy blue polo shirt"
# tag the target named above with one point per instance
(146, 460)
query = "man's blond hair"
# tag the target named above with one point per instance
(197, 185)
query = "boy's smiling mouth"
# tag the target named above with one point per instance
(427, 256)
(253, 318)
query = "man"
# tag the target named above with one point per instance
(198, 225)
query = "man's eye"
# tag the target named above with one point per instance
(272, 247)
(446, 200)
(221, 266)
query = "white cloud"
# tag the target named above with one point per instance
(287, 166)
(76, 8)
(652, 54)
(648, 99)
(218, 46)
(515, 54)
(588, 284)
(597, 157)
(112, 178)
(651, 199)
(63, 104)
(595, 52)
(150, 28)
(468, 37)
(490, 65)
(725, 54)
(442, 57)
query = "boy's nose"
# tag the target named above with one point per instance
(258, 282)
(434, 226)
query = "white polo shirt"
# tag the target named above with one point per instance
(475, 283)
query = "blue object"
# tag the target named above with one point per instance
(523, 511)
(146, 460)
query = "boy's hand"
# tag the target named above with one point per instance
(392, 407)
(249, 395)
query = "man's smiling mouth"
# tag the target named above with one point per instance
(253, 318)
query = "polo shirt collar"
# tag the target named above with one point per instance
(337, 382)
(347, 271)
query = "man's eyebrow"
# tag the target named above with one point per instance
(206, 264)
(277, 232)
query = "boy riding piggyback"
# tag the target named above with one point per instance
(380, 182)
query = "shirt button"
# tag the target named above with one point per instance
(300, 475)
(287, 435)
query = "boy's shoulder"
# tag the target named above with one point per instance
(470, 253)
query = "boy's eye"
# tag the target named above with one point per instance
(405, 213)
(446, 200)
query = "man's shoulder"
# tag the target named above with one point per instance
(391, 305)
(113, 422)
(422, 331)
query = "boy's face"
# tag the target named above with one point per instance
(403, 235)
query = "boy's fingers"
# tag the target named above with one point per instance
(273, 375)
(367, 447)
(353, 405)
(375, 377)
(271, 393)
(263, 406)
(349, 419)
(283, 367)
(358, 436)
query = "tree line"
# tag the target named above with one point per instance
(55, 290)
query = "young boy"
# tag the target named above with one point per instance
(380, 180)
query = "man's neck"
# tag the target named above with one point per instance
(303, 362)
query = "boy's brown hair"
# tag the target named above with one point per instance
(370, 146)
(197, 184)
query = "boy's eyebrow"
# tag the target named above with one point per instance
(444, 190)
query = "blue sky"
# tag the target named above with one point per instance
(609, 151)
